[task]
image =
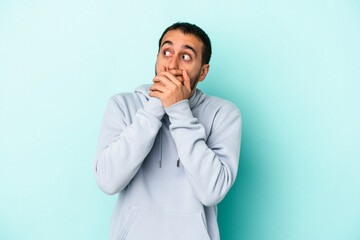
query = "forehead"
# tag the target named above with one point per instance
(178, 38)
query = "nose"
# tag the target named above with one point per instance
(173, 64)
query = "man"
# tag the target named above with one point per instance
(168, 150)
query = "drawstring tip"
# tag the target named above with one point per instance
(159, 164)
(178, 163)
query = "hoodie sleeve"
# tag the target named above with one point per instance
(122, 148)
(211, 165)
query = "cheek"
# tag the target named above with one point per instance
(191, 73)
(158, 66)
(160, 61)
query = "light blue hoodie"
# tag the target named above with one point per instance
(170, 167)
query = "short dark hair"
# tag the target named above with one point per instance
(188, 28)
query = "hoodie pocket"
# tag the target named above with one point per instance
(146, 223)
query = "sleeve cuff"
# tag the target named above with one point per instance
(179, 111)
(154, 107)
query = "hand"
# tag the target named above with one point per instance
(171, 86)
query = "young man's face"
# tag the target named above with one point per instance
(179, 51)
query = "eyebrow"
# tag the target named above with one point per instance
(184, 46)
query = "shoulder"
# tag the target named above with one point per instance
(221, 105)
(225, 113)
(126, 102)
(123, 97)
(130, 99)
(226, 121)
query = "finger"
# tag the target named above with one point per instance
(155, 94)
(158, 82)
(163, 68)
(158, 87)
(187, 83)
(164, 80)
(178, 74)
(171, 77)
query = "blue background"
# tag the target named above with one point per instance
(292, 68)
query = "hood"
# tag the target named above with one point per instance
(195, 99)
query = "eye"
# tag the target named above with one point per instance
(186, 57)
(166, 53)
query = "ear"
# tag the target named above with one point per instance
(204, 71)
